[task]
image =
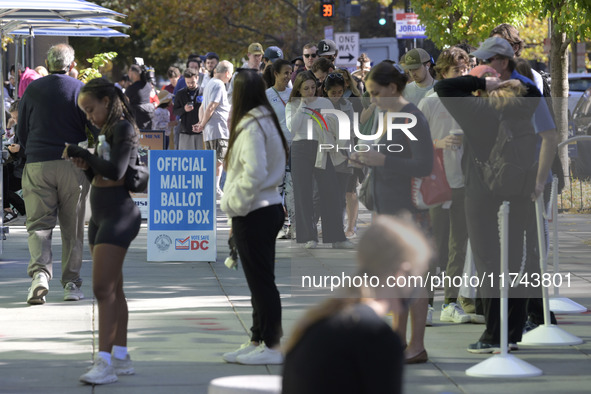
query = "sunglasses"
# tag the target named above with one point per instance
(307, 55)
(336, 76)
(492, 59)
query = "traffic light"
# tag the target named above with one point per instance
(383, 14)
(326, 8)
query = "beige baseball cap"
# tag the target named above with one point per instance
(255, 48)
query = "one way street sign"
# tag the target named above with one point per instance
(348, 46)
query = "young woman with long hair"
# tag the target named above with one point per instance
(343, 345)
(279, 72)
(255, 166)
(392, 172)
(309, 164)
(114, 223)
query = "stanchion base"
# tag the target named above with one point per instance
(564, 306)
(549, 335)
(503, 366)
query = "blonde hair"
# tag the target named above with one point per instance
(387, 244)
(349, 80)
(41, 71)
(507, 93)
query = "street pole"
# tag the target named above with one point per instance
(347, 16)
(409, 44)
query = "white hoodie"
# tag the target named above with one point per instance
(256, 167)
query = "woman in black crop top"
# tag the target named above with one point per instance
(115, 221)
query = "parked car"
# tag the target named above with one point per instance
(581, 114)
(578, 83)
(581, 125)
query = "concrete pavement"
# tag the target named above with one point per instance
(183, 316)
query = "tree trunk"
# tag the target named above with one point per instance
(559, 71)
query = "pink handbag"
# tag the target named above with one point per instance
(433, 189)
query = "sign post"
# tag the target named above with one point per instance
(182, 206)
(348, 46)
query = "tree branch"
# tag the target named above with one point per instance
(564, 45)
(256, 31)
(291, 5)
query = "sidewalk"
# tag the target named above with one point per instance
(183, 316)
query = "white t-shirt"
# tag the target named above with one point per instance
(414, 93)
(206, 79)
(217, 126)
(297, 115)
(441, 123)
(278, 101)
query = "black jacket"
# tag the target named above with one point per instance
(188, 119)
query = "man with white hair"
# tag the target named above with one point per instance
(53, 188)
(213, 116)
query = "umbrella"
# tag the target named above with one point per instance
(67, 31)
(55, 9)
(7, 26)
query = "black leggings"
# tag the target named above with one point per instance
(255, 236)
(115, 218)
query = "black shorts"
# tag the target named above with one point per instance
(115, 218)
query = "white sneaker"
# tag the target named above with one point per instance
(284, 233)
(123, 367)
(429, 320)
(311, 245)
(38, 290)
(453, 313)
(246, 348)
(100, 373)
(477, 319)
(72, 292)
(262, 355)
(343, 245)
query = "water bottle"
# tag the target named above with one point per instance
(103, 148)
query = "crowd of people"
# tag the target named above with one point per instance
(292, 173)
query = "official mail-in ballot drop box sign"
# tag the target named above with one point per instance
(182, 206)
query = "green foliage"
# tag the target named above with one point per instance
(533, 33)
(97, 62)
(449, 22)
(569, 16)
(165, 32)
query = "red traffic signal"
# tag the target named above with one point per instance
(326, 8)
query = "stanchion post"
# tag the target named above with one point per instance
(504, 365)
(557, 303)
(547, 334)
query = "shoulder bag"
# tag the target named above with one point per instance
(136, 177)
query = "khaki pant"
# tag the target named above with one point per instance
(55, 190)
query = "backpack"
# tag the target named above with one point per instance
(511, 168)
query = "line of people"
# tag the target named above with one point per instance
(459, 113)
(284, 134)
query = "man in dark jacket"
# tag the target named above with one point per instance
(186, 105)
(53, 188)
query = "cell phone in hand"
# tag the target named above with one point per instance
(348, 156)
